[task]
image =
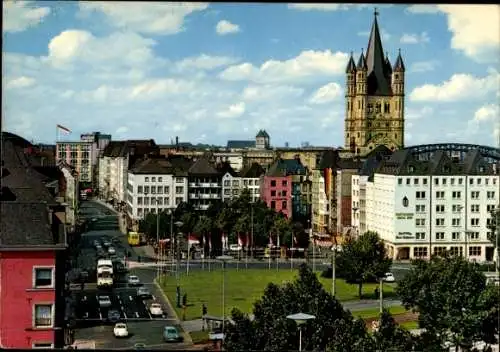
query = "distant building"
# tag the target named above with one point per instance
(205, 184)
(262, 140)
(233, 183)
(70, 193)
(32, 255)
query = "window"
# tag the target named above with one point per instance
(43, 315)
(456, 208)
(160, 179)
(139, 189)
(475, 251)
(146, 179)
(455, 236)
(474, 208)
(284, 205)
(179, 190)
(439, 250)
(436, 181)
(474, 235)
(166, 201)
(440, 222)
(471, 181)
(146, 200)
(227, 192)
(284, 183)
(419, 222)
(440, 194)
(42, 345)
(400, 181)
(419, 252)
(146, 189)
(440, 208)
(474, 222)
(420, 235)
(160, 201)
(456, 195)
(283, 193)
(273, 204)
(456, 251)
(443, 181)
(474, 195)
(43, 277)
(452, 181)
(153, 179)
(420, 208)
(227, 183)
(408, 181)
(490, 195)
(273, 193)
(439, 235)
(415, 181)
(273, 183)
(236, 183)
(420, 194)
(153, 190)
(424, 181)
(139, 211)
(490, 207)
(139, 200)
(166, 189)
(178, 200)
(455, 222)
(179, 180)
(159, 189)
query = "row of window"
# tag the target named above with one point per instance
(444, 181)
(236, 183)
(420, 222)
(284, 183)
(156, 200)
(421, 252)
(157, 190)
(160, 179)
(455, 194)
(284, 204)
(455, 236)
(455, 208)
(145, 211)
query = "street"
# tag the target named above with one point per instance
(92, 323)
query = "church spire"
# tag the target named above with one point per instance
(375, 60)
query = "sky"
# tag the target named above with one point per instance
(212, 72)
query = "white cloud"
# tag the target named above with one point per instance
(474, 28)
(326, 94)
(20, 15)
(331, 7)
(233, 111)
(155, 18)
(307, 65)
(122, 130)
(269, 93)
(487, 113)
(414, 38)
(205, 62)
(424, 66)
(20, 82)
(225, 27)
(459, 87)
(417, 114)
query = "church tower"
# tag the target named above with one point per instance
(374, 99)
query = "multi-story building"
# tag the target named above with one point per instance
(319, 207)
(374, 99)
(233, 183)
(99, 142)
(262, 140)
(154, 184)
(32, 255)
(79, 155)
(422, 207)
(347, 168)
(205, 184)
(70, 192)
(117, 158)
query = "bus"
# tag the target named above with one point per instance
(104, 273)
(134, 239)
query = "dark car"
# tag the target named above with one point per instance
(113, 316)
(171, 334)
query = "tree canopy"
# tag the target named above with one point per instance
(454, 303)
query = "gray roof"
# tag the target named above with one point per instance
(399, 64)
(262, 133)
(240, 144)
(148, 166)
(116, 149)
(351, 66)
(253, 171)
(202, 167)
(286, 167)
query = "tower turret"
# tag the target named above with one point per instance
(361, 72)
(398, 76)
(388, 70)
(351, 77)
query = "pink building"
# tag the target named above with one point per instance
(276, 187)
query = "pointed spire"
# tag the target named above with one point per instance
(388, 66)
(361, 61)
(375, 61)
(399, 64)
(351, 66)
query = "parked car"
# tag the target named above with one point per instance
(143, 292)
(104, 301)
(389, 277)
(114, 316)
(171, 334)
(139, 346)
(155, 309)
(120, 330)
(235, 247)
(134, 281)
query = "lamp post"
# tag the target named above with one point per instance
(178, 287)
(224, 259)
(300, 319)
(158, 253)
(334, 264)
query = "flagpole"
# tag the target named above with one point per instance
(209, 252)
(246, 253)
(291, 253)
(203, 257)
(270, 249)
(238, 261)
(279, 249)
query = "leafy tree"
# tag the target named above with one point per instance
(204, 226)
(272, 331)
(364, 259)
(390, 336)
(281, 227)
(495, 220)
(453, 301)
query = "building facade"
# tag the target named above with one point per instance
(205, 184)
(71, 192)
(233, 183)
(374, 99)
(319, 206)
(78, 155)
(423, 207)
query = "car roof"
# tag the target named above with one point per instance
(120, 325)
(155, 304)
(168, 327)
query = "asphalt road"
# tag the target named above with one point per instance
(92, 321)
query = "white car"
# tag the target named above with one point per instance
(133, 280)
(155, 309)
(235, 247)
(111, 250)
(389, 277)
(104, 301)
(120, 330)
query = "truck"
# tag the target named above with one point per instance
(104, 273)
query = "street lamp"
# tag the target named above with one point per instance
(158, 269)
(300, 319)
(178, 288)
(224, 259)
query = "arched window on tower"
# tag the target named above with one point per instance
(387, 108)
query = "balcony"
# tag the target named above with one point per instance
(215, 196)
(215, 185)
(193, 196)
(193, 184)
(204, 184)
(204, 196)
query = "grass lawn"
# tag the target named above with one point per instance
(199, 336)
(372, 313)
(243, 288)
(410, 325)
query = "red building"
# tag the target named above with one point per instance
(32, 255)
(276, 188)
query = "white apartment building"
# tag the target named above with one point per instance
(358, 211)
(71, 192)
(319, 205)
(423, 207)
(153, 186)
(249, 178)
(79, 155)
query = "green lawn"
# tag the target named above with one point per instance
(372, 313)
(243, 288)
(410, 325)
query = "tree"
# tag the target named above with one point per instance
(281, 227)
(390, 336)
(453, 301)
(272, 331)
(364, 259)
(203, 228)
(494, 223)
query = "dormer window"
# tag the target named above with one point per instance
(481, 168)
(411, 168)
(446, 169)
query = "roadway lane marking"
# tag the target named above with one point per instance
(130, 298)
(136, 314)
(100, 314)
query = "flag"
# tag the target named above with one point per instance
(65, 129)
(240, 241)
(278, 239)
(210, 242)
(270, 241)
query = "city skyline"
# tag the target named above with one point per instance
(209, 73)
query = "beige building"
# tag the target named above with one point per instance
(374, 99)
(78, 155)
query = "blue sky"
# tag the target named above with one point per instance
(212, 72)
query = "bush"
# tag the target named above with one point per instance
(486, 266)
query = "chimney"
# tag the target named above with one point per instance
(177, 142)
